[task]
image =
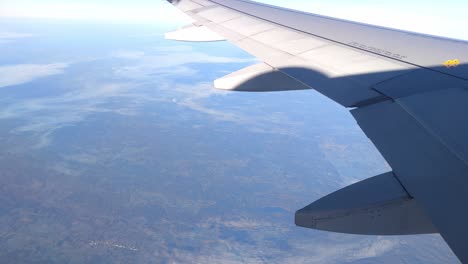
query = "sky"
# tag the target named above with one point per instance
(442, 18)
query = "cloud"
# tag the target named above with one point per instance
(43, 116)
(161, 64)
(128, 54)
(375, 249)
(236, 223)
(311, 250)
(167, 61)
(14, 35)
(197, 97)
(159, 12)
(167, 65)
(137, 77)
(6, 37)
(135, 81)
(23, 73)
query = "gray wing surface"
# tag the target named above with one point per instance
(407, 91)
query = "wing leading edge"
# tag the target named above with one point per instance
(407, 91)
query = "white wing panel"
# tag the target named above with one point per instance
(218, 14)
(277, 35)
(297, 46)
(203, 2)
(340, 61)
(188, 6)
(247, 26)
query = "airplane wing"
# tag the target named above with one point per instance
(407, 91)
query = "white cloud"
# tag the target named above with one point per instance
(375, 249)
(310, 251)
(174, 48)
(178, 56)
(14, 35)
(140, 12)
(67, 109)
(149, 75)
(163, 64)
(172, 61)
(142, 67)
(128, 54)
(23, 73)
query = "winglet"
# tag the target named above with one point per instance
(375, 206)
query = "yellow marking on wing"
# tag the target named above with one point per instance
(451, 63)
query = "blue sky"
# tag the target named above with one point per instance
(444, 18)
